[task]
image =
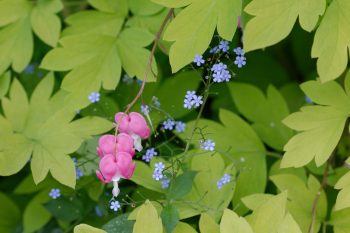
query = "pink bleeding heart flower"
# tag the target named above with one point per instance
(112, 169)
(109, 144)
(135, 125)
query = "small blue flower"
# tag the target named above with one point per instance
(190, 94)
(158, 171)
(198, 59)
(239, 51)
(180, 126)
(145, 109)
(115, 206)
(29, 69)
(55, 193)
(308, 100)
(169, 124)
(197, 101)
(240, 61)
(94, 97)
(223, 45)
(207, 145)
(98, 211)
(126, 79)
(155, 101)
(150, 153)
(188, 103)
(223, 180)
(214, 50)
(165, 183)
(79, 173)
(220, 73)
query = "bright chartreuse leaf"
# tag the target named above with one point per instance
(269, 216)
(184, 228)
(230, 220)
(42, 129)
(172, 3)
(210, 168)
(193, 28)
(84, 228)
(340, 220)
(35, 215)
(148, 220)
(321, 126)
(5, 80)
(331, 42)
(98, 61)
(10, 215)
(207, 224)
(238, 141)
(266, 113)
(343, 199)
(301, 196)
(111, 6)
(17, 20)
(274, 19)
(143, 176)
(144, 7)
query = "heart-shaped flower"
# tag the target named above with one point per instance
(132, 123)
(110, 144)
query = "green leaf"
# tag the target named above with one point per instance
(170, 218)
(148, 220)
(210, 169)
(181, 185)
(97, 62)
(17, 20)
(230, 220)
(184, 228)
(173, 4)
(66, 209)
(120, 224)
(238, 141)
(321, 126)
(266, 113)
(289, 225)
(269, 216)
(45, 23)
(193, 28)
(340, 220)
(300, 199)
(10, 215)
(207, 224)
(83, 228)
(5, 80)
(143, 176)
(35, 216)
(274, 19)
(330, 44)
(343, 199)
(120, 7)
(44, 129)
(143, 7)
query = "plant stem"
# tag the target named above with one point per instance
(318, 195)
(150, 60)
(274, 154)
(205, 98)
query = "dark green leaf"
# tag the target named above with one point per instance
(182, 185)
(170, 218)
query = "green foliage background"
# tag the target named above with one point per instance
(280, 126)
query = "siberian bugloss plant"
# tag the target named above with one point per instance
(209, 116)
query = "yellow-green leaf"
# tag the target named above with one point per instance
(232, 222)
(148, 220)
(84, 228)
(331, 42)
(274, 19)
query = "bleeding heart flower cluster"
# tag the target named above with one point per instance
(116, 151)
